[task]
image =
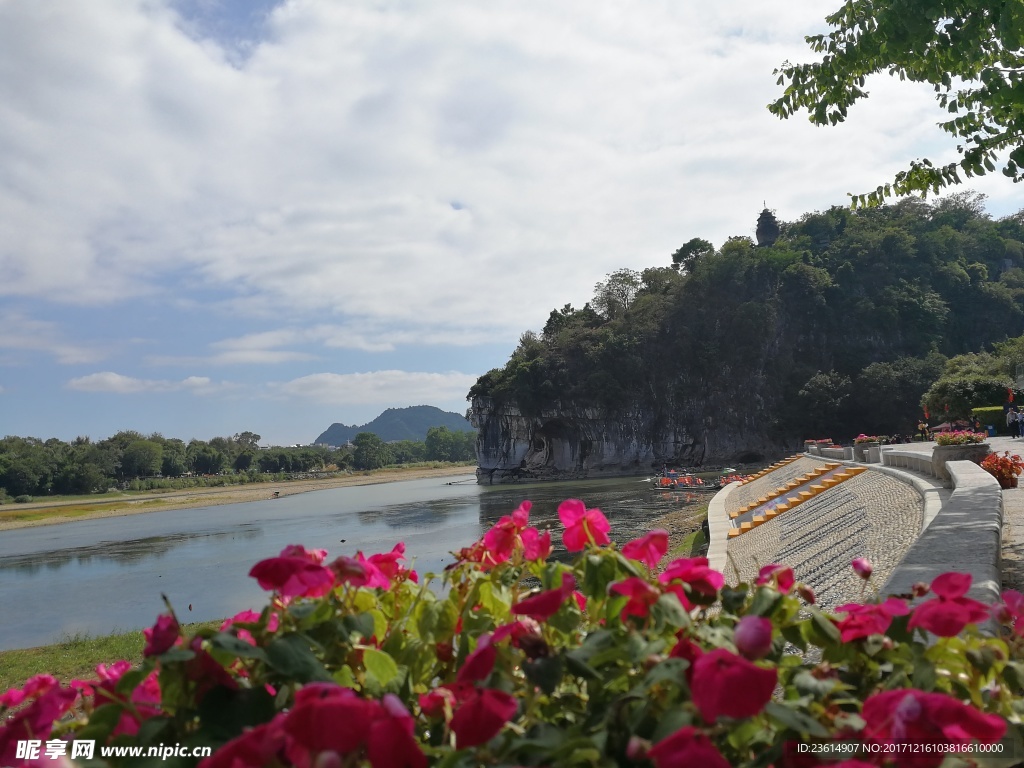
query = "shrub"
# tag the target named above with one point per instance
(610, 659)
(994, 415)
(22, 499)
(862, 438)
(1003, 466)
(960, 437)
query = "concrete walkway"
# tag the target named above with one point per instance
(1013, 539)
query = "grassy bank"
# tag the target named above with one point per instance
(73, 657)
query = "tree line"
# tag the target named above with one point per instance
(32, 467)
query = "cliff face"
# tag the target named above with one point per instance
(570, 443)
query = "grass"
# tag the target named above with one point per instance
(75, 656)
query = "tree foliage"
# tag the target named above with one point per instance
(969, 51)
(881, 297)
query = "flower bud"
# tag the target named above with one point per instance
(862, 567)
(806, 593)
(636, 749)
(920, 589)
(753, 636)
(444, 652)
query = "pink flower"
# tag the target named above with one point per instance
(543, 605)
(1011, 611)
(649, 548)
(686, 649)
(536, 545)
(248, 617)
(481, 717)
(480, 662)
(753, 637)
(256, 747)
(862, 567)
(782, 575)
(641, 596)
(293, 575)
(870, 619)
(909, 716)
(391, 742)
(949, 612)
(162, 636)
(329, 717)
(686, 748)
(582, 525)
(726, 684)
(48, 702)
(703, 582)
(297, 550)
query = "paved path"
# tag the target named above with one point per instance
(1013, 539)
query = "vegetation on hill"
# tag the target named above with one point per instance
(841, 325)
(397, 424)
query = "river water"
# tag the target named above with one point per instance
(108, 574)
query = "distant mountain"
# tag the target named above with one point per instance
(398, 424)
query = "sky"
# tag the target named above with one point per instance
(220, 216)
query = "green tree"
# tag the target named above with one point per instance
(370, 452)
(614, 295)
(690, 252)
(970, 51)
(141, 459)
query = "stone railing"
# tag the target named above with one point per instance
(965, 536)
(915, 461)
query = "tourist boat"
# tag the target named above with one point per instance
(672, 479)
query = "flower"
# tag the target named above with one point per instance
(949, 612)
(293, 575)
(703, 582)
(582, 525)
(960, 437)
(162, 636)
(910, 716)
(543, 605)
(753, 636)
(686, 748)
(1003, 466)
(870, 619)
(649, 548)
(48, 703)
(862, 438)
(782, 575)
(862, 567)
(641, 596)
(726, 684)
(1010, 610)
(481, 716)
(480, 662)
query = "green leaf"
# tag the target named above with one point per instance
(379, 666)
(797, 721)
(360, 625)
(236, 647)
(291, 656)
(669, 611)
(224, 713)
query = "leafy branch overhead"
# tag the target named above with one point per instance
(970, 52)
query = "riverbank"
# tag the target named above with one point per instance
(50, 513)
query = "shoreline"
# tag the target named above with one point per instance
(35, 514)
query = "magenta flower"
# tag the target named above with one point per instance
(753, 637)
(862, 567)
(482, 716)
(316, 556)
(703, 582)
(949, 612)
(480, 662)
(686, 748)
(536, 545)
(782, 575)
(391, 742)
(870, 619)
(162, 636)
(1011, 611)
(543, 605)
(329, 717)
(909, 716)
(43, 702)
(726, 684)
(641, 596)
(649, 548)
(255, 747)
(293, 575)
(582, 525)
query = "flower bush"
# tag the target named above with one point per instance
(1003, 466)
(960, 437)
(862, 438)
(614, 658)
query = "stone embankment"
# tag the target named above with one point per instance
(899, 515)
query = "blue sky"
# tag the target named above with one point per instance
(219, 216)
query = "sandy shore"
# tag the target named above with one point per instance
(50, 513)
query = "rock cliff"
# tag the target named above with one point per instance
(571, 443)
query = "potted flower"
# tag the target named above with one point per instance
(959, 445)
(862, 442)
(1005, 467)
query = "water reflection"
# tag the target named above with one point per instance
(121, 552)
(415, 514)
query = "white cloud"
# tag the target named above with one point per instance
(25, 334)
(396, 388)
(407, 172)
(115, 383)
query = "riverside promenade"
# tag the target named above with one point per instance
(909, 523)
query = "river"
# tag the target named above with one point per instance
(93, 577)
